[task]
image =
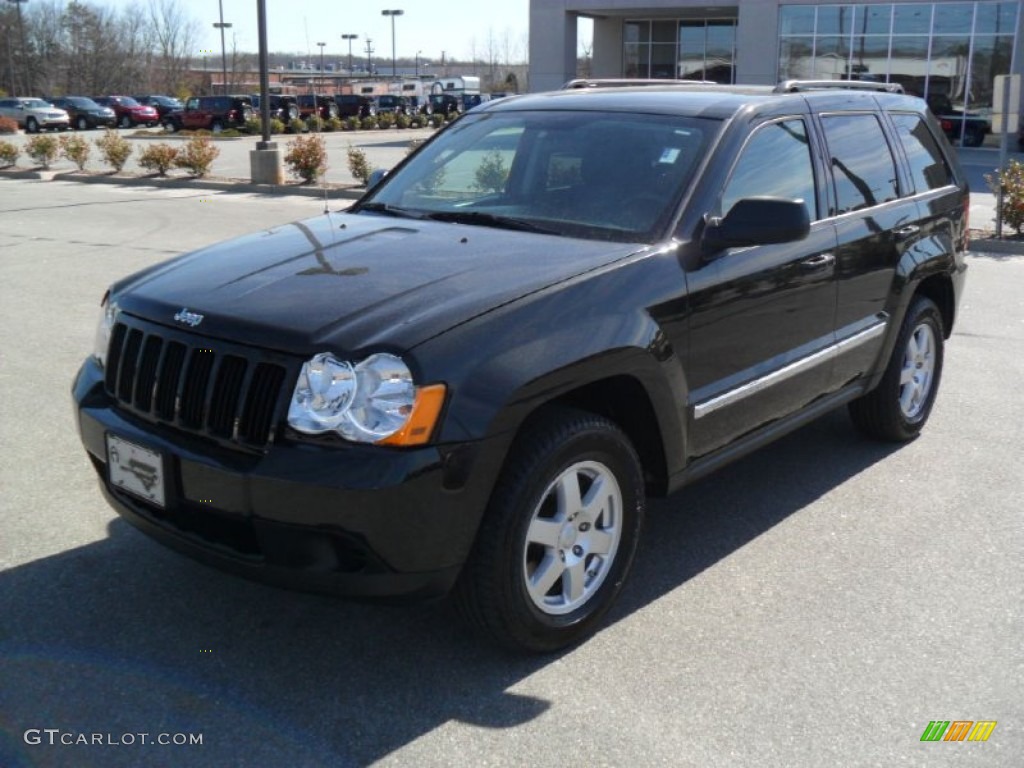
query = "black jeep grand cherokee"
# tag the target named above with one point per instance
(564, 302)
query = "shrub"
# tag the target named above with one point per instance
(336, 123)
(9, 153)
(114, 150)
(197, 156)
(229, 133)
(402, 121)
(277, 126)
(295, 125)
(358, 165)
(42, 149)
(437, 120)
(76, 149)
(7, 125)
(254, 125)
(158, 157)
(353, 123)
(327, 126)
(385, 119)
(1012, 180)
(368, 123)
(313, 124)
(307, 157)
(417, 121)
(492, 172)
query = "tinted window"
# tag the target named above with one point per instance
(862, 164)
(928, 167)
(775, 162)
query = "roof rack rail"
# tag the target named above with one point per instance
(792, 86)
(626, 82)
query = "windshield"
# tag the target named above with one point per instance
(596, 175)
(83, 103)
(36, 104)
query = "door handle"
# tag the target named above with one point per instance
(908, 231)
(821, 261)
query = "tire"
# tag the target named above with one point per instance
(216, 126)
(126, 122)
(171, 126)
(897, 409)
(293, 113)
(528, 532)
(82, 124)
(31, 125)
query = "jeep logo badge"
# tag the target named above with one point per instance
(191, 319)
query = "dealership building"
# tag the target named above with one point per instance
(936, 48)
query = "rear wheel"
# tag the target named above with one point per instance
(559, 534)
(216, 126)
(126, 122)
(31, 125)
(81, 124)
(897, 409)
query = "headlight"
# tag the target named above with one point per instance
(108, 316)
(368, 402)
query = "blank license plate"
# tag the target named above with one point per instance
(135, 469)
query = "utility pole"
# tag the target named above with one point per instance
(223, 49)
(369, 54)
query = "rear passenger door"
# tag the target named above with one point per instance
(876, 222)
(761, 319)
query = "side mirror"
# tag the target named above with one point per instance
(757, 221)
(376, 176)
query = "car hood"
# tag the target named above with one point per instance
(350, 282)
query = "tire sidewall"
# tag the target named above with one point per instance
(922, 312)
(605, 446)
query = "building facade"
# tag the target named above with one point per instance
(947, 50)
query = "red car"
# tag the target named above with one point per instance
(129, 112)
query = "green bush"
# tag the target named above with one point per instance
(76, 149)
(385, 119)
(368, 123)
(42, 149)
(1012, 180)
(353, 123)
(254, 125)
(492, 172)
(296, 125)
(114, 150)
(158, 157)
(277, 126)
(7, 125)
(417, 121)
(335, 124)
(9, 153)
(358, 165)
(197, 156)
(402, 121)
(307, 157)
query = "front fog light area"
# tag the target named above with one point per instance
(108, 316)
(365, 402)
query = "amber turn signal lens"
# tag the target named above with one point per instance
(425, 411)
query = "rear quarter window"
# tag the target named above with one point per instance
(928, 166)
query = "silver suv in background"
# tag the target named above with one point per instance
(34, 115)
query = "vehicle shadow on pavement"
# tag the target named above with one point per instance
(124, 637)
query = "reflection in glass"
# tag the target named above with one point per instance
(996, 18)
(911, 19)
(832, 58)
(991, 57)
(949, 67)
(721, 52)
(953, 18)
(796, 60)
(835, 19)
(663, 60)
(691, 49)
(776, 162)
(874, 19)
(870, 58)
(908, 64)
(796, 20)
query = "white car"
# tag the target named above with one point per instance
(34, 114)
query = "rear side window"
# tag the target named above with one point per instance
(863, 168)
(776, 162)
(928, 168)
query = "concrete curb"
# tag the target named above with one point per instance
(992, 245)
(238, 186)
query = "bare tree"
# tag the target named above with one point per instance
(174, 34)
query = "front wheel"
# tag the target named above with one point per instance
(897, 409)
(31, 126)
(82, 124)
(559, 534)
(126, 122)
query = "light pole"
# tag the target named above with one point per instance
(223, 50)
(350, 38)
(321, 64)
(369, 54)
(392, 14)
(418, 64)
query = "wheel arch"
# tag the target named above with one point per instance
(939, 288)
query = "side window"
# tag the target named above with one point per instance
(192, 104)
(928, 167)
(775, 162)
(862, 164)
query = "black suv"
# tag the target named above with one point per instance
(163, 105)
(562, 304)
(355, 105)
(310, 105)
(85, 113)
(396, 105)
(282, 107)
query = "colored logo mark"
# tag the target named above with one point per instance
(958, 730)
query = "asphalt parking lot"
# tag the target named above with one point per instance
(815, 604)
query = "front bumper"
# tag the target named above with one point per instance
(351, 520)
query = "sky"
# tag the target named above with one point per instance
(427, 26)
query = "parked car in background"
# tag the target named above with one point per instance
(129, 112)
(312, 104)
(211, 113)
(443, 104)
(355, 105)
(396, 105)
(162, 104)
(34, 115)
(85, 113)
(973, 126)
(282, 107)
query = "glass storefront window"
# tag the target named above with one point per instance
(996, 18)
(953, 18)
(831, 58)
(908, 63)
(796, 58)
(874, 19)
(796, 20)
(912, 19)
(834, 20)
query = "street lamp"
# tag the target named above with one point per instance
(392, 14)
(369, 54)
(223, 50)
(350, 38)
(418, 63)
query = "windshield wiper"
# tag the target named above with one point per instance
(390, 210)
(488, 220)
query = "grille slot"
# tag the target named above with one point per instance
(222, 391)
